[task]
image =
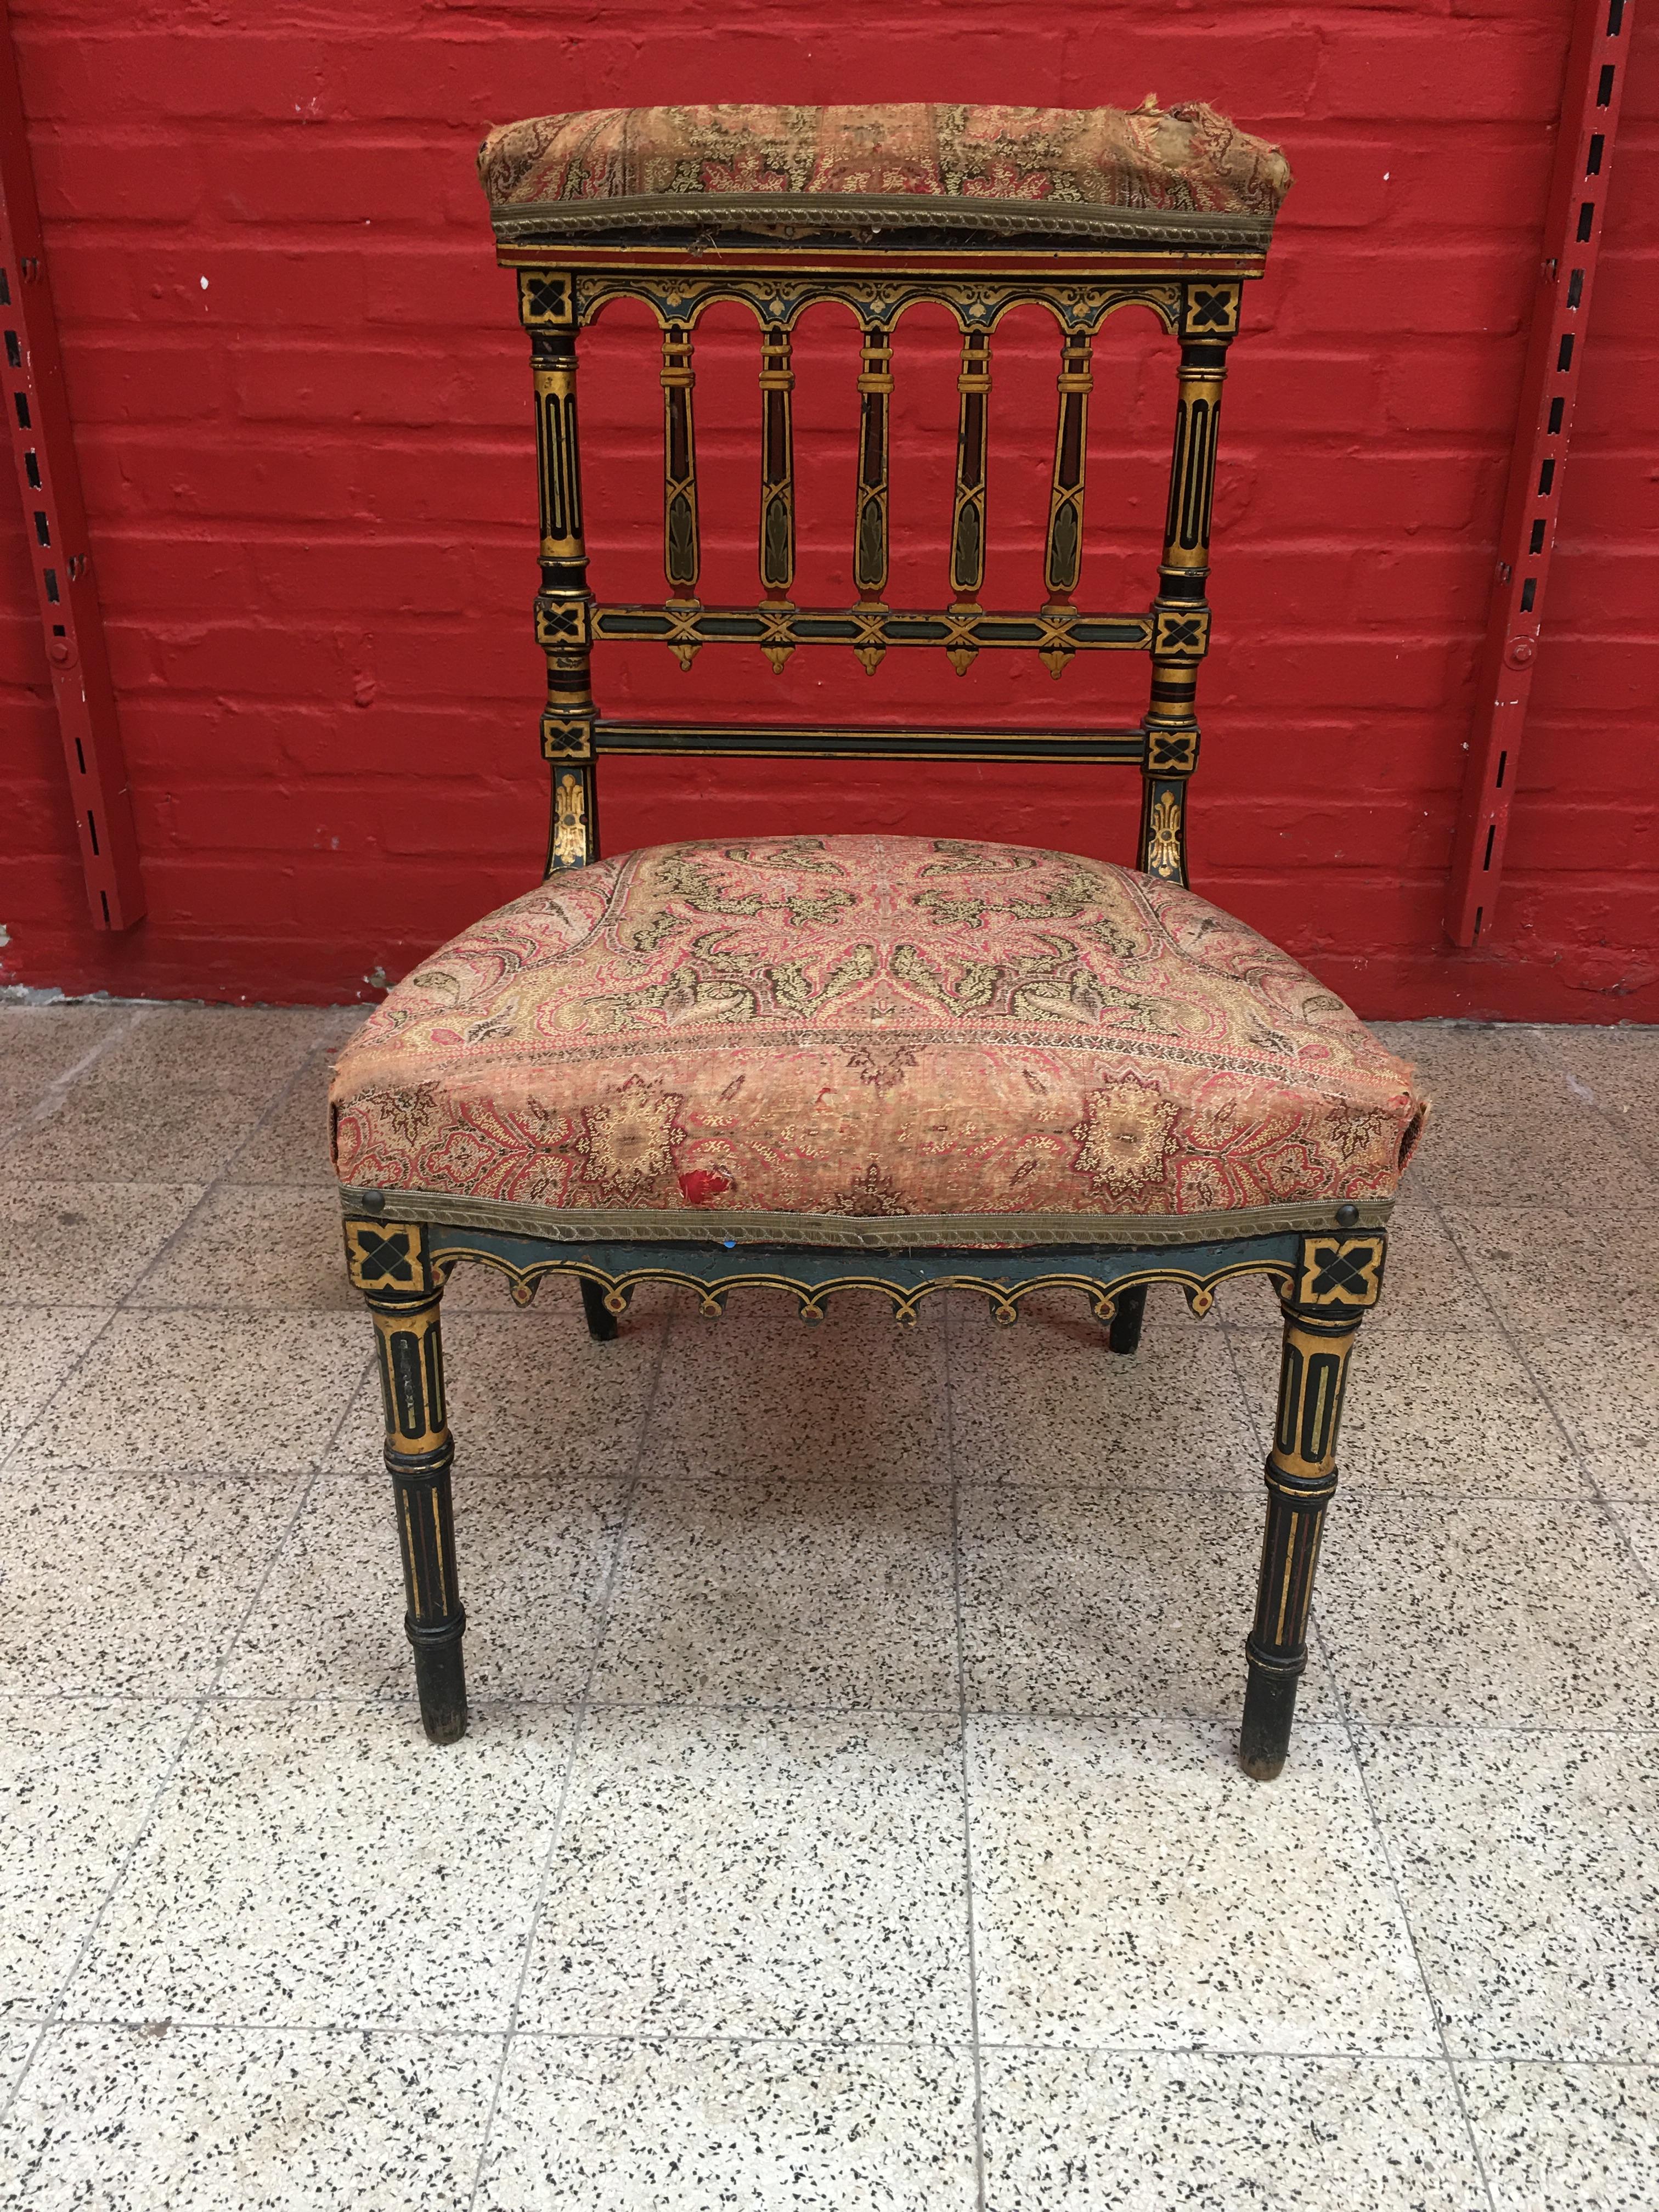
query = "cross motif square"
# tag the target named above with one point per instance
(1172, 752)
(544, 297)
(562, 622)
(1181, 632)
(1212, 307)
(1340, 1271)
(388, 1256)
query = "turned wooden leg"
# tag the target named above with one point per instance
(1337, 1282)
(418, 1452)
(601, 1321)
(1123, 1330)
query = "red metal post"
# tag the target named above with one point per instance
(55, 522)
(1590, 95)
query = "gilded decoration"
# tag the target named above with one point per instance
(1163, 834)
(879, 1026)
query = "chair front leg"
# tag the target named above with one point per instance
(1301, 1479)
(418, 1452)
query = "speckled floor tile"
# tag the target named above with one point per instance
(1526, 1864)
(1604, 1383)
(529, 1393)
(1640, 1524)
(704, 2127)
(224, 1393)
(257, 1251)
(253, 1048)
(1090, 1601)
(761, 1392)
(1566, 2138)
(1548, 1269)
(84, 1243)
(40, 1045)
(313, 1866)
(1414, 1420)
(38, 1345)
(130, 1584)
(759, 1875)
(77, 1781)
(19, 1102)
(1508, 1129)
(531, 1558)
(1045, 1401)
(1619, 1071)
(1098, 2131)
(1504, 1612)
(774, 1591)
(17, 2042)
(290, 1142)
(168, 1130)
(1134, 1889)
(117, 2119)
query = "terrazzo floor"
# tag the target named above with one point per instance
(849, 1817)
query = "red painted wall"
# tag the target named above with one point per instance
(302, 408)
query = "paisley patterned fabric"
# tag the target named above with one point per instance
(870, 1028)
(1075, 169)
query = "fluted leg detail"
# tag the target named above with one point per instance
(418, 1452)
(1301, 1478)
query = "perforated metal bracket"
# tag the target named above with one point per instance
(1591, 94)
(55, 524)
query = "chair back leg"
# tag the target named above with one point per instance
(1123, 1330)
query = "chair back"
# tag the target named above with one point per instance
(651, 217)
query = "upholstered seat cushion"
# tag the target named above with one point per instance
(1178, 172)
(959, 1041)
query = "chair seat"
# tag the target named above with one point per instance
(972, 1043)
(1157, 173)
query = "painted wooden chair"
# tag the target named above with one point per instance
(821, 1062)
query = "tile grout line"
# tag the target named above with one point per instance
(57, 2017)
(1090, 1493)
(1518, 1351)
(1226, 2054)
(391, 1702)
(958, 1608)
(122, 1305)
(578, 1725)
(1378, 1832)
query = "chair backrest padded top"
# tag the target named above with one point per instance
(1185, 160)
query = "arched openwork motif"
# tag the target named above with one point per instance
(905, 1280)
(1199, 309)
(679, 301)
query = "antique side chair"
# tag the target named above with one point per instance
(821, 1062)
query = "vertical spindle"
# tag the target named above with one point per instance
(682, 558)
(777, 531)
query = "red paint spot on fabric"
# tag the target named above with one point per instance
(701, 1184)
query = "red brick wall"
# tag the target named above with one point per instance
(310, 484)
